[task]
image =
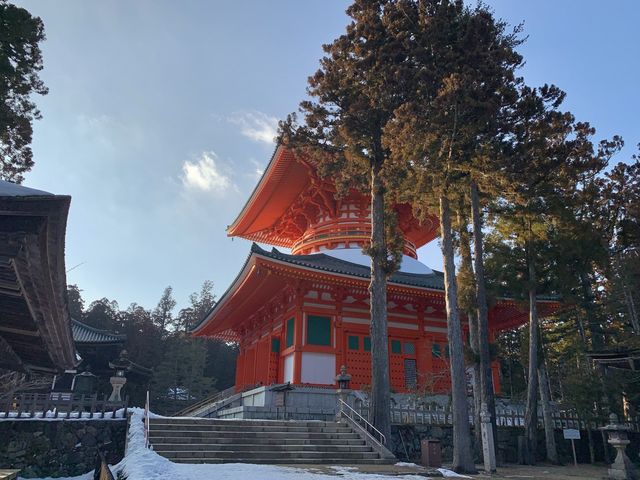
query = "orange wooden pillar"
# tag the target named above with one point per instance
(340, 349)
(297, 339)
(240, 370)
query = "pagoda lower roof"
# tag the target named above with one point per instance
(249, 287)
(327, 263)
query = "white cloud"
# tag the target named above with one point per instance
(100, 128)
(205, 175)
(258, 169)
(255, 125)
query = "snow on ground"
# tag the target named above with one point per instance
(50, 416)
(141, 463)
(450, 473)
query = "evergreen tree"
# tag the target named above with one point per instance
(163, 313)
(353, 95)
(221, 363)
(76, 303)
(20, 64)
(463, 75)
(547, 155)
(104, 314)
(180, 379)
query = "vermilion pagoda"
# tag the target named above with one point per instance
(298, 317)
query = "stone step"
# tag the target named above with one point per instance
(277, 435)
(289, 461)
(252, 441)
(217, 421)
(274, 456)
(248, 428)
(238, 447)
(187, 440)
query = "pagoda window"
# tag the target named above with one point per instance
(290, 331)
(435, 350)
(318, 330)
(396, 347)
(409, 348)
(366, 344)
(354, 342)
(275, 345)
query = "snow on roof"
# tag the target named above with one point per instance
(10, 189)
(355, 255)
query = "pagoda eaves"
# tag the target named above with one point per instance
(293, 207)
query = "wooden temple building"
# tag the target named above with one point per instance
(299, 316)
(35, 332)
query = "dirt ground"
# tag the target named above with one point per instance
(546, 472)
(550, 472)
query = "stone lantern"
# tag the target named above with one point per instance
(343, 380)
(621, 468)
(118, 380)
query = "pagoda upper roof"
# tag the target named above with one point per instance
(289, 181)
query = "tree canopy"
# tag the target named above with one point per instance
(20, 65)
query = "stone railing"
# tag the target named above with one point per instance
(54, 405)
(433, 414)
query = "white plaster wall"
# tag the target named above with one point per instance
(319, 368)
(288, 368)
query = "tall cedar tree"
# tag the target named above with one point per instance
(20, 64)
(463, 75)
(163, 313)
(354, 94)
(547, 155)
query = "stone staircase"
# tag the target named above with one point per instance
(200, 440)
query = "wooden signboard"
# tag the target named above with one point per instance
(572, 434)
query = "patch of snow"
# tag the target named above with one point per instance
(450, 473)
(50, 416)
(86, 476)
(355, 255)
(141, 463)
(407, 464)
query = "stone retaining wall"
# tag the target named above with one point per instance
(59, 447)
(405, 444)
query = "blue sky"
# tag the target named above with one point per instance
(160, 117)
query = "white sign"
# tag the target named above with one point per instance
(571, 434)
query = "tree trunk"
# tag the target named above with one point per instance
(545, 400)
(531, 411)
(597, 340)
(631, 307)
(477, 384)
(628, 295)
(467, 265)
(462, 454)
(592, 448)
(380, 414)
(486, 378)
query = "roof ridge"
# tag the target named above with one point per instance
(97, 330)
